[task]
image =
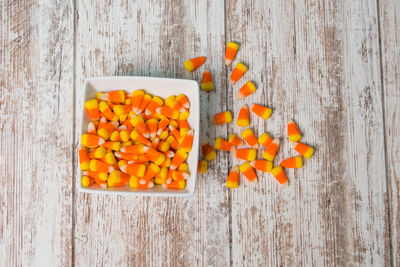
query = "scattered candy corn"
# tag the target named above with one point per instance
(248, 154)
(243, 117)
(295, 162)
(293, 132)
(207, 81)
(262, 165)
(221, 118)
(202, 166)
(230, 52)
(271, 149)
(222, 144)
(208, 152)
(248, 172)
(237, 73)
(280, 175)
(235, 140)
(247, 89)
(250, 138)
(194, 63)
(261, 111)
(303, 149)
(233, 178)
(265, 139)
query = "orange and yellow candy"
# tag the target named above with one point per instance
(222, 144)
(247, 89)
(208, 152)
(237, 73)
(243, 117)
(194, 63)
(248, 172)
(230, 52)
(248, 154)
(303, 149)
(233, 178)
(293, 132)
(222, 117)
(262, 165)
(261, 111)
(250, 138)
(207, 83)
(271, 150)
(295, 162)
(280, 175)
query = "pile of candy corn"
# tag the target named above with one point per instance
(136, 139)
(235, 143)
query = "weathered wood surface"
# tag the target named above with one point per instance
(389, 14)
(333, 66)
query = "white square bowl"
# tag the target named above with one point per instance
(162, 87)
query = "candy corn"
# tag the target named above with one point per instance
(145, 102)
(109, 159)
(235, 140)
(152, 125)
(151, 171)
(134, 149)
(139, 124)
(248, 154)
(208, 152)
(247, 89)
(178, 159)
(222, 144)
(233, 178)
(154, 155)
(262, 165)
(92, 108)
(230, 52)
(91, 141)
(184, 167)
(138, 137)
(98, 166)
(202, 166)
(187, 142)
(103, 176)
(207, 81)
(271, 149)
(116, 146)
(194, 63)
(261, 111)
(115, 137)
(183, 124)
(176, 134)
(243, 117)
(293, 131)
(295, 162)
(221, 118)
(118, 178)
(137, 98)
(280, 175)
(183, 100)
(91, 128)
(250, 138)
(237, 73)
(163, 146)
(303, 149)
(134, 169)
(105, 129)
(84, 159)
(97, 153)
(162, 125)
(173, 143)
(114, 96)
(168, 112)
(135, 184)
(179, 176)
(106, 110)
(265, 139)
(248, 172)
(175, 185)
(87, 181)
(155, 103)
(100, 183)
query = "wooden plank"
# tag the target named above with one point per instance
(390, 42)
(147, 39)
(36, 111)
(316, 62)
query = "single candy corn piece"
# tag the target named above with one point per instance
(261, 111)
(155, 142)
(295, 162)
(248, 154)
(265, 139)
(179, 176)
(151, 171)
(163, 123)
(134, 182)
(168, 112)
(293, 131)
(233, 178)
(202, 166)
(152, 125)
(235, 140)
(106, 110)
(163, 173)
(262, 165)
(176, 134)
(183, 100)
(92, 108)
(100, 183)
(103, 176)
(280, 175)
(134, 149)
(248, 172)
(154, 155)
(109, 159)
(221, 118)
(194, 63)
(303, 149)
(250, 138)
(173, 143)
(114, 96)
(97, 153)
(167, 162)
(121, 109)
(243, 117)
(105, 129)
(237, 73)
(247, 89)
(184, 167)
(163, 146)
(145, 102)
(127, 143)
(155, 103)
(126, 156)
(207, 81)
(98, 166)
(164, 134)
(84, 159)
(138, 137)
(179, 157)
(139, 124)
(91, 140)
(121, 163)
(184, 115)
(173, 123)
(169, 101)
(271, 149)
(91, 128)
(118, 178)
(137, 98)
(230, 52)
(183, 124)
(116, 146)
(187, 142)
(115, 137)
(222, 144)
(87, 181)
(208, 152)
(175, 185)
(176, 105)
(134, 169)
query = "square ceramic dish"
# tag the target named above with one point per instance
(162, 87)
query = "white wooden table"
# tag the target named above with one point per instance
(333, 66)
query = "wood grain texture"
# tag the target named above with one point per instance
(36, 110)
(389, 14)
(127, 38)
(316, 62)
